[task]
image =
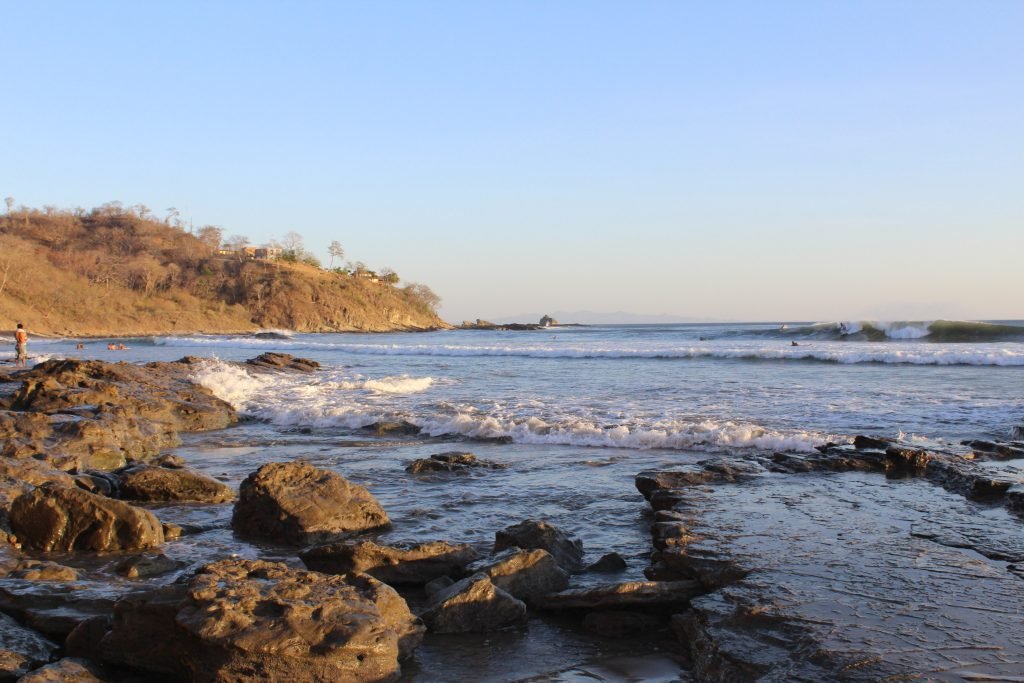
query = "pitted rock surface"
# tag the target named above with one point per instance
(148, 483)
(298, 504)
(252, 620)
(60, 518)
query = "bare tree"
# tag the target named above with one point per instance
(172, 214)
(389, 276)
(6, 270)
(210, 235)
(336, 251)
(10, 203)
(293, 243)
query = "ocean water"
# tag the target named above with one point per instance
(682, 387)
(574, 413)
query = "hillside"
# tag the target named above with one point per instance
(112, 271)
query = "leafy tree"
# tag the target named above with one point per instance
(389, 276)
(424, 295)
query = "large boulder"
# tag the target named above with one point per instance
(252, 620)
(21, 649)
(533, 534)
(473, 605)
(59, 518)
(392, 565)
(298, 504)
(524, 574)
(149, 483)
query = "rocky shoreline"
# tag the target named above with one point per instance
(838, 565)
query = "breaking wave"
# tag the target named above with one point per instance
(289, 401)
(947, 331)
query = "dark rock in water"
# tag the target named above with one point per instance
(143, 567)
(148, 483)
(450, 462)
(393, 428)
(705, 563)
(298, 504)
(55, 518)
(611, 562)
(694, 475)
(907, 459)
(621, 623)
(878, 443)
(21, 649)
(534, 534)
(473, 605)
(995, 450)
(524, 574)
(657, 596)
(282, 361)
(548, 321)
(66, 671)
(37, 570)
(392, 565)
(250, 620)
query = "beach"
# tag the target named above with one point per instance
(850, 554)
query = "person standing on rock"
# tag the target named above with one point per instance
(20, 347)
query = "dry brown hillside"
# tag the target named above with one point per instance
(110, 271)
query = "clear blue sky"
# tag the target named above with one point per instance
(754, 160)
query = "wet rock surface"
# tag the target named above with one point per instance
(254, 620)
(298, 504)
(21, 649)
(473, 604)
(415, 565)
(67, 670)
(282, 361)
(53, 517)
(535, 534)
(148, 483)
(453, 461)
(851, 564)
(524, 574)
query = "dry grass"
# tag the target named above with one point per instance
(114, 273)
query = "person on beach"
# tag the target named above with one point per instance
(20, 347)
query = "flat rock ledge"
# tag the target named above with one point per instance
(845, 564)
(166, 484)
(252, 620)
(416, 565)
(297, 504)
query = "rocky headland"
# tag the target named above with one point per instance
(874, 560)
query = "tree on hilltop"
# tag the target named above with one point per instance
(335, 251)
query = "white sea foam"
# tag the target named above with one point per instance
(231, 383)
(291, 400)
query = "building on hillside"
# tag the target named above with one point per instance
(268, 253)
